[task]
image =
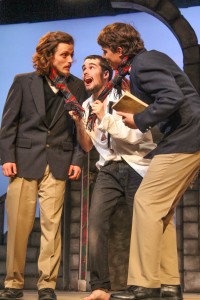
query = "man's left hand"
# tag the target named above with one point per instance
(98, 109)
(74, 172)
(127, 119)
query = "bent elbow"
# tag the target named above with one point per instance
(87, 148)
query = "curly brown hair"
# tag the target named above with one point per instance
(46, 48)
(121, 35)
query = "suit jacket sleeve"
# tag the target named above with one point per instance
(10, 123)
(154, 78)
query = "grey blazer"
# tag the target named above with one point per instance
(174, 104)
(25, 137)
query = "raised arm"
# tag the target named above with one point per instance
(82, 135)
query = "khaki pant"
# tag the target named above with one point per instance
(21, 206)
(153, 250)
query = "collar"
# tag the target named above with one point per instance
(54, 89)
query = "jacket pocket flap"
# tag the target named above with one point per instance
(23, 143)
(67, 146)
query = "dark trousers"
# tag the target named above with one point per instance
(116, 182)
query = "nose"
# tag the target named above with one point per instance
(70, 58)
(85, 71)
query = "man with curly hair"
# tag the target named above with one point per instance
(174, 105)
(39, 153)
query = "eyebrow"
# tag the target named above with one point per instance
(67, 52)
(90, 64)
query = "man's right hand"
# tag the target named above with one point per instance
(74, 115)
(9, 169)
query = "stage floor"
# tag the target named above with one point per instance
(32, 295)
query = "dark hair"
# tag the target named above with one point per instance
(103, 63)
(121, 35)
(46, 48)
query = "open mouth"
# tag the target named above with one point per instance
(88, 80)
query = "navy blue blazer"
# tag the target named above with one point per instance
(174, 104)
(26, 138)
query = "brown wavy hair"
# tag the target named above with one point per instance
(121, 35)
(46, 48)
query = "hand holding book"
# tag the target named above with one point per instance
(129, 103)
(127, 119)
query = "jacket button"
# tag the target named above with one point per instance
(47, 145)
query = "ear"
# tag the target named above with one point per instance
(120, 51)
(106, 74)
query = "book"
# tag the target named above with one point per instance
(129, 103)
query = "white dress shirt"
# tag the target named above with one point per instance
(125, 143)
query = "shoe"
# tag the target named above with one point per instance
(10, 293)
(137, 292)
(46, 294)
(173, 292)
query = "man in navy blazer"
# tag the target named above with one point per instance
(39, 151)
(174, 106)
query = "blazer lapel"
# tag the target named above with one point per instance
(37, 91)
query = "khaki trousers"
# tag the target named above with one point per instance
(153, 250)
(21, 206)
